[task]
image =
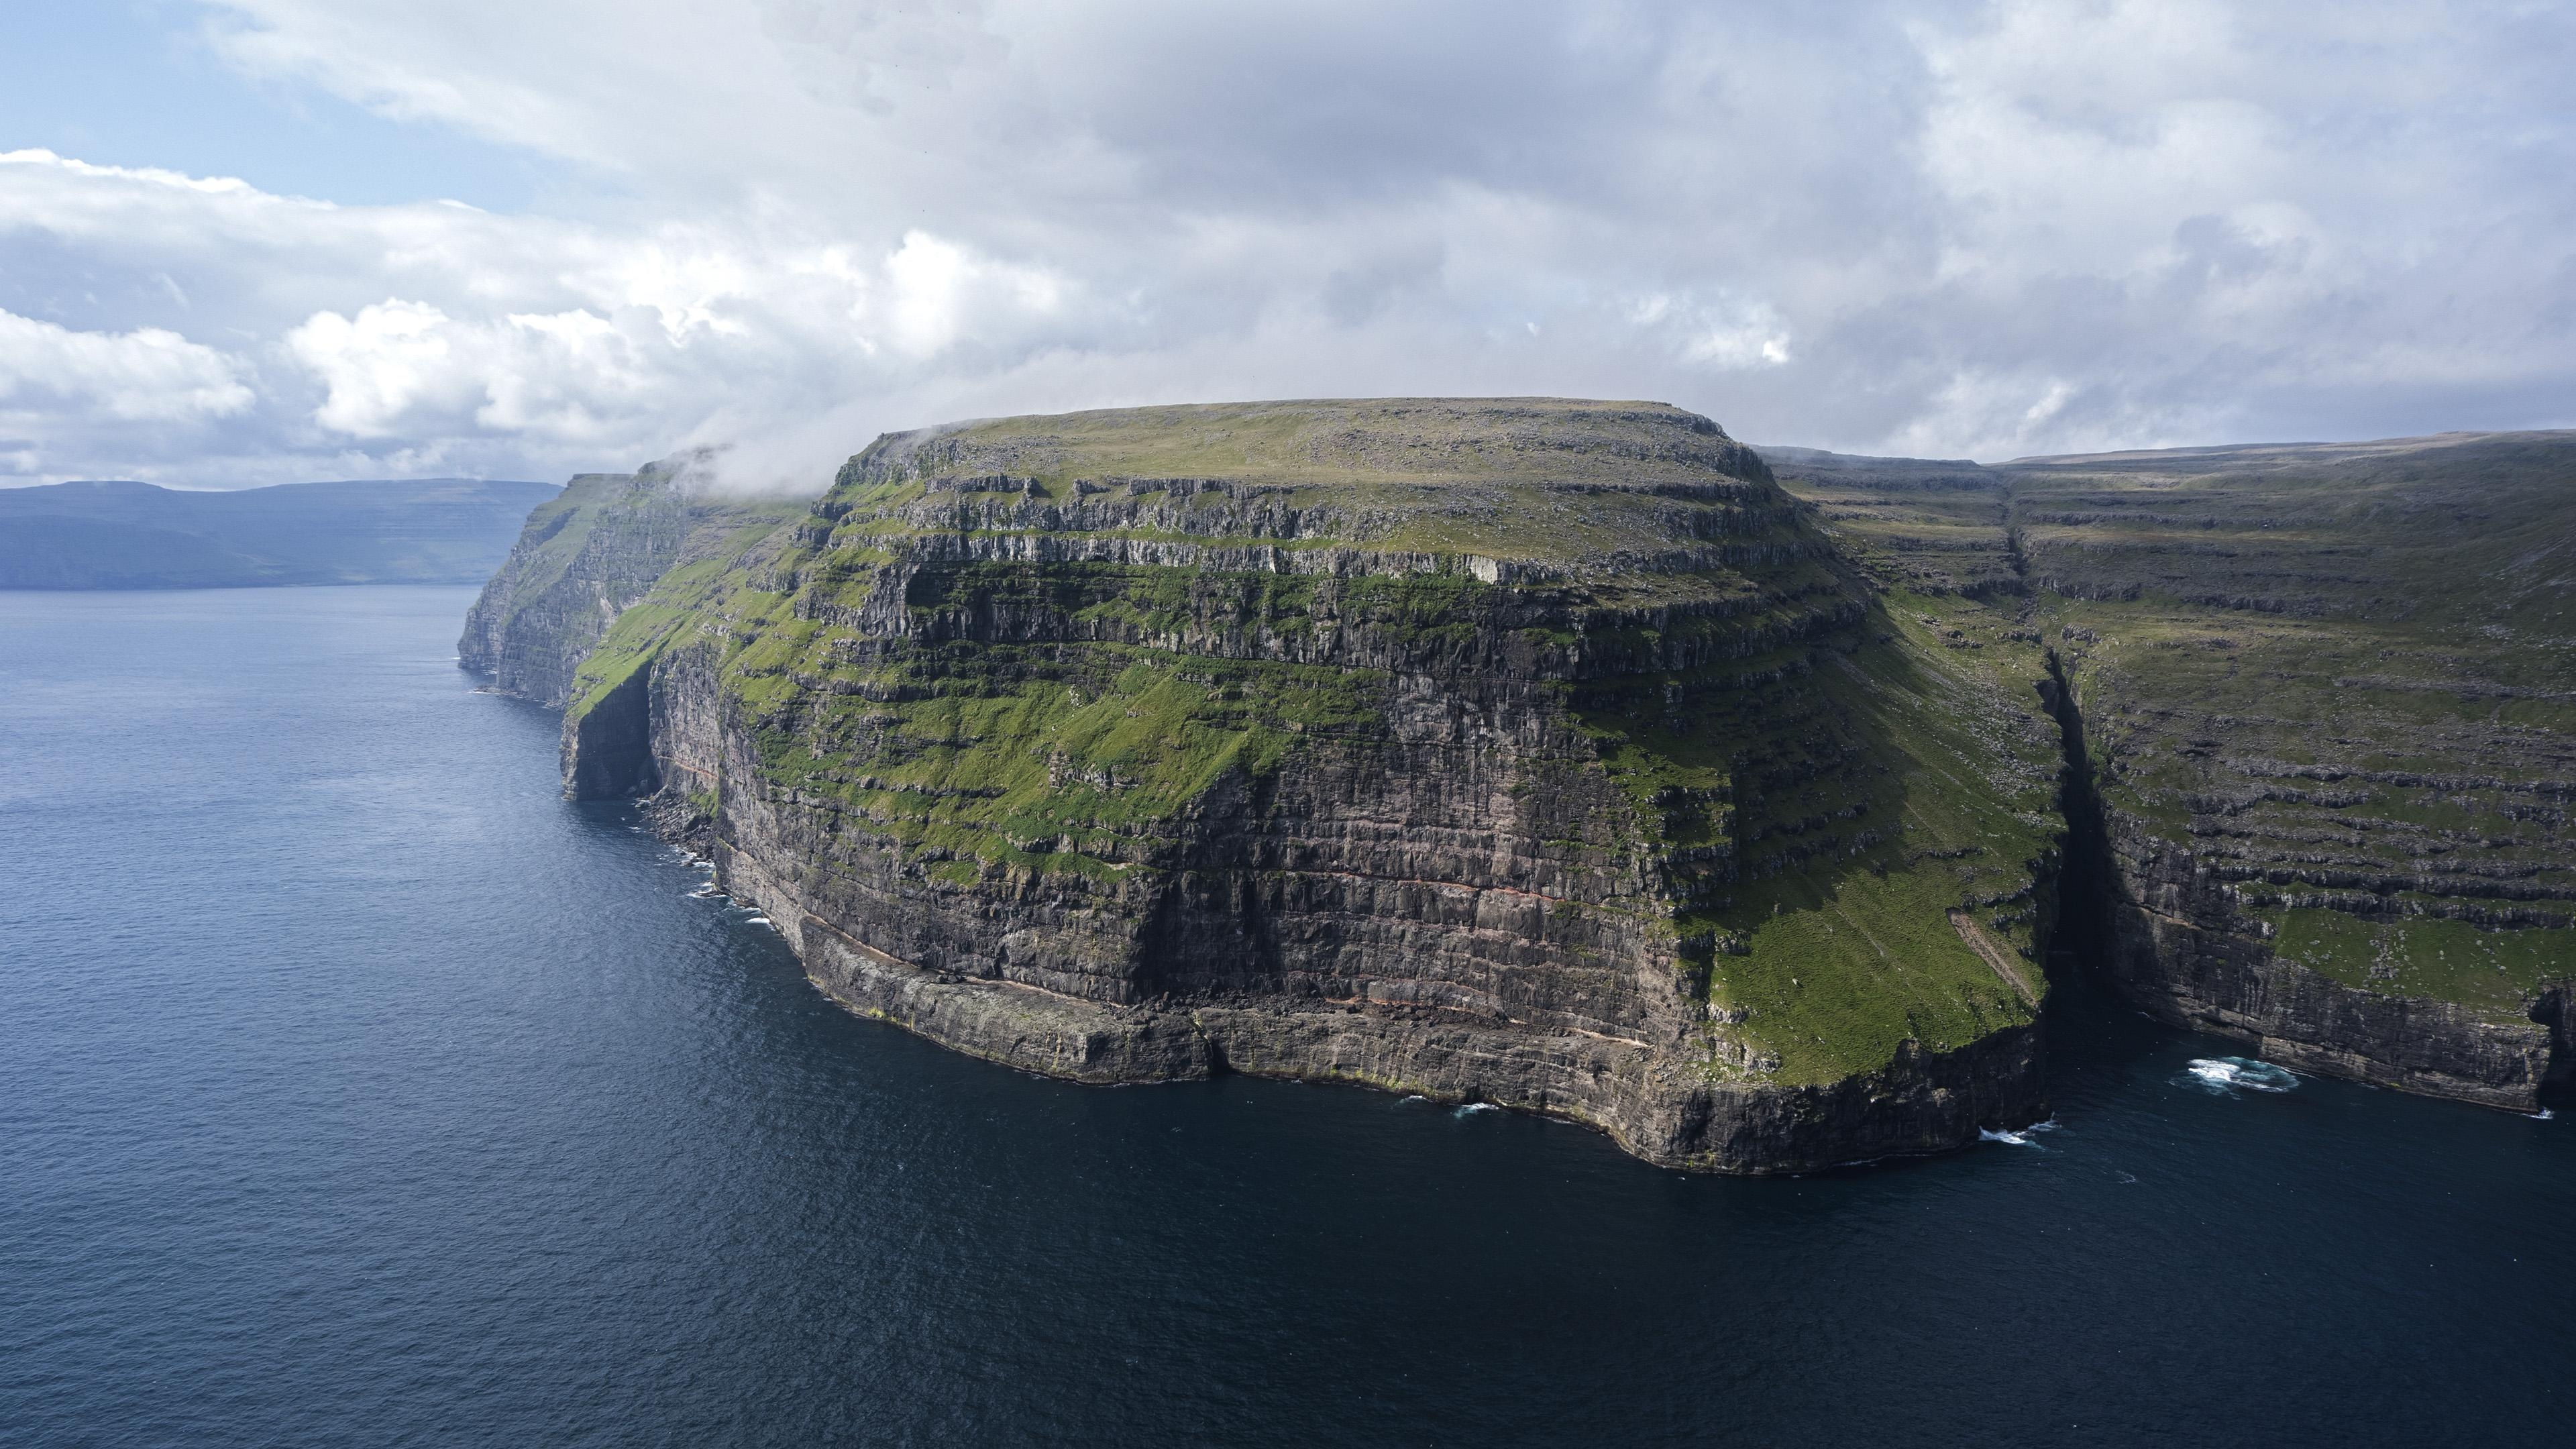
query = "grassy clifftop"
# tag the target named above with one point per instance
(1354, 449)
(1536, 480)
(2467, 529)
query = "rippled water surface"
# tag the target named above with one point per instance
(356, 1090)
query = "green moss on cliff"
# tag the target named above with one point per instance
(2493, 971)
(1027, 757)
(708, 584)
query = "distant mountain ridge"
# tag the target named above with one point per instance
(126, 535)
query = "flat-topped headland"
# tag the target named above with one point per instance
(1537, 752)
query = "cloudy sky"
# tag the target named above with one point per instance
(266, 240)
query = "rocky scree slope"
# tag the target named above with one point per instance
(1532, 752)
(2320, 704)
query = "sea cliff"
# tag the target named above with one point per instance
(1558, 755)
(1527, 752)
(587, 555)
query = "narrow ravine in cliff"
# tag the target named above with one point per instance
(2081, 936)
(2086, 887)
(2184, 928)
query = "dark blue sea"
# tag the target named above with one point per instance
(356, 1090)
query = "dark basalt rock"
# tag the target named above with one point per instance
(2184, 951)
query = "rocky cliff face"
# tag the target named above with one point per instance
(1548, 754)
(1528, 752)
(582, 558)
(2324, 728)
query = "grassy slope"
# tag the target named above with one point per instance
(2271, 642)
(1872, 796)
(558, 538)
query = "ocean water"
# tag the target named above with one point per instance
(354, 1089)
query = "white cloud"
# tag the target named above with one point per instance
(393, 359)
(787, 224)
(1742, 337)
(406, 369)
(146, 375)
(938, 290)
(96, 401)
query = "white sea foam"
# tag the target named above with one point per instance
(2543, 1115)
(756, 920)
(2232, 1074)
(1409, 1101)
(1472, 1108)
(2020, 1138)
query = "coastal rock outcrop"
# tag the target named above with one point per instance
(1552, 755)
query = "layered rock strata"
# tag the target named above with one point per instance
(1529, 752)
(2323, 728)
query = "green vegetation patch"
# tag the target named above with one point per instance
(2455, 961)
(1817, 821)
(1074, 759)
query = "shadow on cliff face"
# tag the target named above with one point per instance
(1849, 830)
(2092, 1029)
(2557, 1011)
(2085, 884)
